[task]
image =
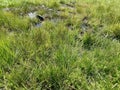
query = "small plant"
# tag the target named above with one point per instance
(115, 29)
(62, 2)
(54, 4)
(88, 41)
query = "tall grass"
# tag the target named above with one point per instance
(65, 53)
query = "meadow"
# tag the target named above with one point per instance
(76, 47)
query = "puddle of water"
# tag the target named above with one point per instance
(38, 25)
(32, 15)
(84, 27)
(6, 9)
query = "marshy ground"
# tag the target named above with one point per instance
(60, 45)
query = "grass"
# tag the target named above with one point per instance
(76, 47)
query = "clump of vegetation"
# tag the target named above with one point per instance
(115, 29)
(54, 5)
(88, 41)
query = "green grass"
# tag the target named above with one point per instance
(67, 52)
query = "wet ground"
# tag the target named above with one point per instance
(65, 12)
